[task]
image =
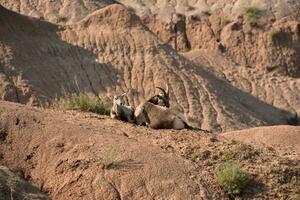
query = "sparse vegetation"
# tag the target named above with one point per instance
(84, 103)
(251, 15)
(195, 154)
(213, 139)
(287, 176)
(233, 141)
(63, 19)
(226, 21)
(131, 9)
(239, 152)
(232, 178)
(109, 157)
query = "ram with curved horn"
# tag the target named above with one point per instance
(121, 111)
(158, 117)
(162, 98)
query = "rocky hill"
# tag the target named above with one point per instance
(229, 65)
(58, 12)
(14, 187)
(257, 34)
(111, 51)
(73, 155)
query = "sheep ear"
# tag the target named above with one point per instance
(124, 94)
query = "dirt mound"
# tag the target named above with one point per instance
(276, 90)
(73, 155)
(102, 49)
(165, 9)
(285, 139)
(258, 34)
(13, 187)
(58, 12)
(111, 51)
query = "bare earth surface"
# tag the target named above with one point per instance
(65, 155)
(284, 139)
(229, 76)
(13, 187)
(277, 90)
(73, 155)
(110, 51)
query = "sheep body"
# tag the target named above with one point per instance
(158, 117)
(120, 111)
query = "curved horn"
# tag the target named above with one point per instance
(167, 89)
(165, 94)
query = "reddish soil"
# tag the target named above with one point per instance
(223, 73)
(73, 155)
(285, 139)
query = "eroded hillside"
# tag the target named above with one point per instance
(111, 51)
(257, 34)
(229, 65)
(59, 12)
(73, 155)
(14, 187)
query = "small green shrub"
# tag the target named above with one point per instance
(226, 21)
(232, 178)
(251, 15)
(233, 142)
(84, 103)
(131, 9)
(109, 157)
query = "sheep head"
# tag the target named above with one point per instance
(119, 99)
(162, 98)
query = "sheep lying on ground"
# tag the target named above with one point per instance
(154, 112)
(121, 111)
(159, 117)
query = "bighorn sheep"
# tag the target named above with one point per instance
(158, 117)
(155, 113)
(121, 111)
(161, 99)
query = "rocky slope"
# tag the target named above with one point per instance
(111, 51)
(258, 34)
(13, 187)
(73, 155)
(277, 90)
(59, 12)
(285, 139)
(238, 68)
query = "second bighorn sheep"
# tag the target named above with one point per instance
(121, 111)
(155, 113)
(162, 98)
(158, 117)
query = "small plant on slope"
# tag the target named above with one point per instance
(84, 103)
(251, 15)
(232, 178)
(226, 21)
(109, 157)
